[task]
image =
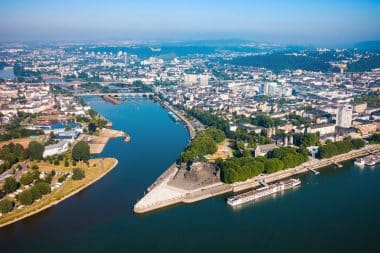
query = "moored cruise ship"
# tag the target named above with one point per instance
(263, 191)
(174, 117)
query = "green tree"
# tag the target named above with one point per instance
(26, 179)
(43, 187)
(6, 206)
(26, 197)
(273, 165)
(36, 150)
(62, 178)
(92, 113)
(375, 138)
(240, 169)
(201, 145)
(216, 134)
(78, 174)
(263, 121)
(10, 185)
(35, 193)
(29, 177)
(81, 151)
(357, 143)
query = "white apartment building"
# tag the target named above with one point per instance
(344, 116)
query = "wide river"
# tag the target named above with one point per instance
(336, 211)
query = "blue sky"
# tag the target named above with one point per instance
(286, 21)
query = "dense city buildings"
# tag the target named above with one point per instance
(249, 122)
(189, 126)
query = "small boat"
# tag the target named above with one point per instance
(359, 162)
(371, 162)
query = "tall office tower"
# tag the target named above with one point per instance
(344, 116)
(265, 88)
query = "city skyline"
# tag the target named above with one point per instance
(291, 22)
(189, 125)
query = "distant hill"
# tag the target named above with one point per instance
(365, 64)
(368, 45)
(282, 61)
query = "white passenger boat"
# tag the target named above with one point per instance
(263, 191)
(359, 162)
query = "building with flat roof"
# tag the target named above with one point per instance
(344, 116)
(56, 149)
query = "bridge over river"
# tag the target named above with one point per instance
(119, 94)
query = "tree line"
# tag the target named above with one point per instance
(203, 144)
(242, 168)
(211, 120)
(331, 149)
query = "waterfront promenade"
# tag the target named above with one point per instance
(189, 125)
(163, 195)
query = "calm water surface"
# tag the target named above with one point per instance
(7, 73)
(336, 211)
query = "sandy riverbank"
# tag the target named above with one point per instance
(98, 142)
(68, 189)
(163, 195)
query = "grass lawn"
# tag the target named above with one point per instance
(223, 151)
(23, 141)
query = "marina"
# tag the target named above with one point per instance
(263, 191)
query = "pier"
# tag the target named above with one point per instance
(315, 172)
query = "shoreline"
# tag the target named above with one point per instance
(63, 198)
(189, 126)
(98, 143)
(221, 188)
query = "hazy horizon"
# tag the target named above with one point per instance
(288, 22)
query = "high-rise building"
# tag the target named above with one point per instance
(203, 80)
(344, 116)
(265, 88)
(190, 79)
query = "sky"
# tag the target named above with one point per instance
(311, 22)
